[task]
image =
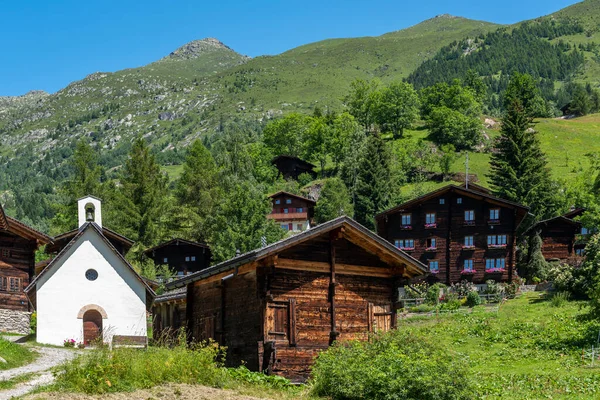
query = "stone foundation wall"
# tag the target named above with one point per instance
(14, 321)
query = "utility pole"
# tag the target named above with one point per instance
(467, 171)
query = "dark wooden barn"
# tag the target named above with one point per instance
(182, 256)
(291, 167)
(275, 308)
(563, 238)
(459, 233)
(18, 243)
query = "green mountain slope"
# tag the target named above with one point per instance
(190, 92)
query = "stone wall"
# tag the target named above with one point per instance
(14, 321)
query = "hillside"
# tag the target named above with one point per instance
(200, 86)
(530, 349)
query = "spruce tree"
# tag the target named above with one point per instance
(197, 192)
(142, 196)
(373, 183)
(86, 180)
(519, 169)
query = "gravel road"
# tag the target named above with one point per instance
(49, 357)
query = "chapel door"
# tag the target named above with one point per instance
(92, 326)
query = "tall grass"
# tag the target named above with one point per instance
(125, 369)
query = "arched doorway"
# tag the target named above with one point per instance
(92, 326)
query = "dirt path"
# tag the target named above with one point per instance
(174, 391)
(49, 357)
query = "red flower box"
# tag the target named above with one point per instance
(406, 227)
(430, 226)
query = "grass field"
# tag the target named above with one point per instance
(528, 350)
(14, 354)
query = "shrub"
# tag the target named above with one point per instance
(511, 289)
(463, 288)
(394, 365)
(561, 276)
(102, 371)
(69, 343)
(33, 323)
(450, 305)
(433, 293)
(559, 299)
(473, 299)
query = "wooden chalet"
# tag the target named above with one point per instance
(18, 243)
(182, 256)
(291, 167)
(292, 212)
(459, 233)
(563, 238)
(276, 307)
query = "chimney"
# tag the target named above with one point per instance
(89, 209)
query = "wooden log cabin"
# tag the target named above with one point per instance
(563, 238)
(292, 212)
(291, 167)
(460, 233)
(18, 243)
(276, 307)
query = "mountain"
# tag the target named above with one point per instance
(191, 91)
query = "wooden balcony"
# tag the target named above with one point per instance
(288, 216)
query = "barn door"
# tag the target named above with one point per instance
(92, 327)
(380, 317)
(281, 321)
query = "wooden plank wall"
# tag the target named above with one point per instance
(558, 239)
(310, 290)
(20, 264)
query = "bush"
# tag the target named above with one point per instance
(451, 305)
(394, 365)
(433, 293)
(473, 299)
(33, 323)
(463, 288)
(561, 276)
(102, 371)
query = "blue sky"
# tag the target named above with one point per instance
(48, 44)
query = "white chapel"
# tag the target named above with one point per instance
(89, 292)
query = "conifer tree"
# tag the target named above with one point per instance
(536, 266)
(519, 169)
(86, 180)
(197, 192)
(240, 221)
(373, 183)
(142, 196)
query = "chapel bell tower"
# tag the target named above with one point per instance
(89, 209)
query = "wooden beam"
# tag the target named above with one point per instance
(332, 283)
(340, 269)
